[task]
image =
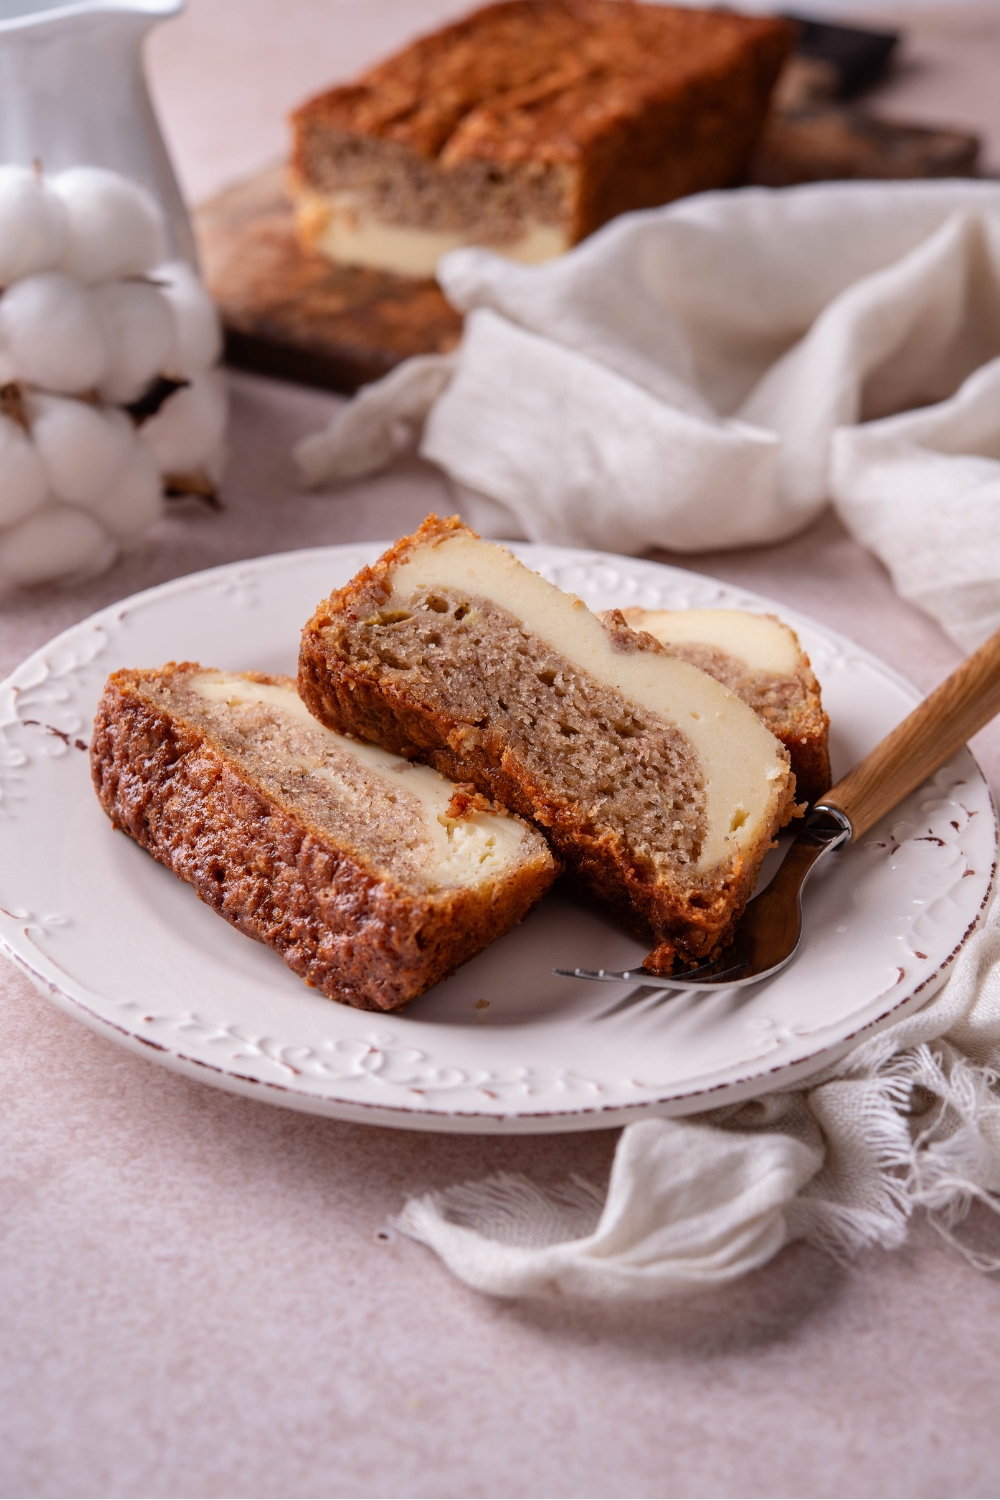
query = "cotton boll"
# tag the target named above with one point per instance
(60, 541)
(92, 457)
(134, 498)
(188, 429)
(52, 333)
(139, 333)
(198, 336)
(83, 448)
(22, 478)
(114, 227)
(32, 224)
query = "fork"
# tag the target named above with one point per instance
(770, 929)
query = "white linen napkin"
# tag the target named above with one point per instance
(910, 1119)
(711, 374)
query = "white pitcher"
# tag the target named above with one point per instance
(73, 92)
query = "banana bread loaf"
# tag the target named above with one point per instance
(529, 124)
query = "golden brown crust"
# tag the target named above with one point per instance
(809, 752)
(344, 928)
(644, 102)
(353, 697)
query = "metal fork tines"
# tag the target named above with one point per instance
(689, 980)
(768, 933)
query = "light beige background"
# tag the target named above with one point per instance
(193, 1296)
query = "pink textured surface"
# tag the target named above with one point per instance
(193, 1295)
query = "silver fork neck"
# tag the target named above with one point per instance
(828, 825)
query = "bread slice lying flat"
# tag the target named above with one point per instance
(371, 877)
(658, 786)
(762, 660)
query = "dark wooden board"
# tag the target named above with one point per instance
(291, 313)
(815, 136)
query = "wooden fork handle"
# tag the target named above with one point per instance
(963, 703)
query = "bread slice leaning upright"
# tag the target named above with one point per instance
(656, 785)
(371, 877)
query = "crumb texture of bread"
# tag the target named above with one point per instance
(371, 882)
(784, 692)
(539, 114)
(628, 798)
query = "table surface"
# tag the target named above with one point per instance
(195, 1299)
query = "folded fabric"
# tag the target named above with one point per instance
(712, 374)
(909, 1119)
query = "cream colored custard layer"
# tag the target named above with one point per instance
(760, 642)
(334, 224)
(459, 852)
(745, 769)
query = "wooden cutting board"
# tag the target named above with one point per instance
(292, 314)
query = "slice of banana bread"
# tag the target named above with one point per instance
(525, 126)
(762, 660)
(371, 877)
(658, 786)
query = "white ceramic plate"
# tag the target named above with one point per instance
(117, 941)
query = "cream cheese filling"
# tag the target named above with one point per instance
(335, 225)
(460, 852)
(759, 641)
(744, 767)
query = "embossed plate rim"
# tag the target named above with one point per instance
(233, 579)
